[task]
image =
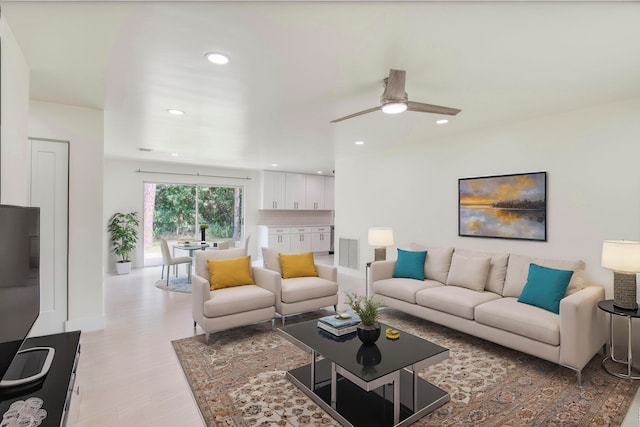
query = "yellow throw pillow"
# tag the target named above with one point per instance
(297, 265)
(229, 272)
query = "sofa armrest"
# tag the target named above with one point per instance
(201, 292)
(379, 270)
(328, 272)
(583, 329)
(269, 280)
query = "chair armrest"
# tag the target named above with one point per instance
(201, 292)
(269, 280)
(328, 272)
(583, 327)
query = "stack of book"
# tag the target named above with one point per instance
(339, 324)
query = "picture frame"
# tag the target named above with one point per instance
(503, 206)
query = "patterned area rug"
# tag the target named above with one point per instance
(238, 380)
(176, 284)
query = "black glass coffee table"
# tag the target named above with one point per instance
(367, 386)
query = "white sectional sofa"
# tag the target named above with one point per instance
(477, 293)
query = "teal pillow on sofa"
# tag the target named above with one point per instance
(410, 264)
(545, 287)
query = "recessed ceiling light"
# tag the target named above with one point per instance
(275, 165)
(359, 142)
(217, 58)
(174, 154)
(442, 121)
(175, 112)
(319, 172)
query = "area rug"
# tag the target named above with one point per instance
(176, 284)
(238, 380)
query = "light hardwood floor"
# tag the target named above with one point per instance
(129, 374)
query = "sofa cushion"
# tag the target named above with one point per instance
(518, 270)
(271, 260)
(510, 315)
(470, 273)
(454, 300)
(410, 264)
(298, 265)
(497, 268)
(202, 269)
(226, 273)
(237, 300)
(307, 288)
(403, 289)
(545, 287)
(436, 265)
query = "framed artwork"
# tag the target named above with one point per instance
(503, 206)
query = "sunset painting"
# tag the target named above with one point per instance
(506, 206)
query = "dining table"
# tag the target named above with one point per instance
(189, 246)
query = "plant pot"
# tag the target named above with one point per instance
(368, 334)
(123, 267)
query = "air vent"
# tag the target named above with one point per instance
(348, 253)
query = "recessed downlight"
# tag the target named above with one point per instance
(275, 165)
(217, 58)
(319, 172)
(359, 142)
(175, 112)
(175, 154)
(442, 121)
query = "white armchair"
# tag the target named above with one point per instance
(216, 310)
(298, 294)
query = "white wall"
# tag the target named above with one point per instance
(123, 192)
(84, 129)
(593, 184)
(14, 155)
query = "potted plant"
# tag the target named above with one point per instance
(367, 308)
(203, 227)
(124, 236)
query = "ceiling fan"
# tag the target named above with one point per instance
(394, 100)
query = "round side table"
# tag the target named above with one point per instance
(608, 306)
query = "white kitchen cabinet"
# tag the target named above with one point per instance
(300, 240)
(274, 237)
(273, 190)
(329, 193)
(295, 194)
(315, 192)
(321, 239)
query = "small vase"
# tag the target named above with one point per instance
(202, 231)
(368, 334)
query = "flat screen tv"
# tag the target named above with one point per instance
(19, 289)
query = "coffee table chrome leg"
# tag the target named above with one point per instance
(629, 353)
(313, 371)
(334, 383)
(396, 398)
(415, 389)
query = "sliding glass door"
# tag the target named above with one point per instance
(176, 212)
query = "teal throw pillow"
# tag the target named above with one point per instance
(410, 264)
(545, 287)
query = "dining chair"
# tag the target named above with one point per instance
(168, 260)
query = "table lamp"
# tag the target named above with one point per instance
(380, 238)
(623, 257)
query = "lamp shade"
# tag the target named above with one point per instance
(380, 236)
(621, 255)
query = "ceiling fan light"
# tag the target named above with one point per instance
(394, 107)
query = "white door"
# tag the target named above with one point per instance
(49, 191)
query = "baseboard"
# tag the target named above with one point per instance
(86, 324)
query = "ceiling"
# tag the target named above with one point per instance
(297, 65)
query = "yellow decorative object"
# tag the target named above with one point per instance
(392, 334)
(226, 273)
(298, 265)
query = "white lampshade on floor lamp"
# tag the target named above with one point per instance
(380, 238)
(623, 257)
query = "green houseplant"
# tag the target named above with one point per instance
(124, 236)
(367, 308)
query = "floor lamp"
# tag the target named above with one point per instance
(623, 257)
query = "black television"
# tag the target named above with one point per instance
(20, 295)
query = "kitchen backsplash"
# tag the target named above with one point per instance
(293, 217)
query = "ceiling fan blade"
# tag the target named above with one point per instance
(370, 110)
(394, 85)
(428, 108)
